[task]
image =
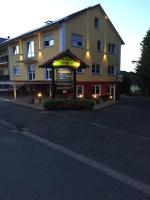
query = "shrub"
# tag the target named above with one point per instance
(68, 104)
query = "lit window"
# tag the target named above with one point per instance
(48, 73)
(80, 91)
(96, 90)
(96, 69)
(80, 71)
(15, 50)
(99, 45)
(16, 70)
(111, 70)
(96, 23)
(30, 49)
(49, 41)
(77, 40)
(31, 72)
(112, 48)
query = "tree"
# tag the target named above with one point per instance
(143, 66)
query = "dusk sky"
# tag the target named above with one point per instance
(131, 18)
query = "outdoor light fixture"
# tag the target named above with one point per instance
(39, 96)
(80, 96)
(94, 96)
(110, 97)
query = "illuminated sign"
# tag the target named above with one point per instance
(66, 61)
(64, 74)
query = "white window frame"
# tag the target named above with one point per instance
(110, 69)
(30, 49)
(95, 90)
(111, 48)
(111, 89)
(16, 70)
(95, 69)
(47, 73)
(15, 50)
(82, 91)
(77, 40)
(49, 39)
(31, 71)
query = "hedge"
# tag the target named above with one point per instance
(68, 104)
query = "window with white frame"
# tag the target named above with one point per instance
(30, 49)
(77, 40)
(96, 69)
(96, 23)
(48, 40)
(111, 48)
(80, 71)
(99, 47)
(80, 91)
(15, 50)
(48, 73)
(31, 72)
(16, 70)
(111, 89)
(111, 70)
(96, 90)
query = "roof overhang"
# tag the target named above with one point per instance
(65, 59)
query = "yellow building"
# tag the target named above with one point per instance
(88, 34)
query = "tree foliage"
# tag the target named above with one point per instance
(143, 65)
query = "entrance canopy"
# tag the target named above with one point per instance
(65, 59)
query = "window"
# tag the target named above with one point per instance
(111, 70)
(2, 72)
(99, 45)
(48, 73)
(80, 71)
(96, 23)
(111, 89)
(96, 89)
(49, 41)
(96, 69)
(15, 50)
(80, 91)
(16, 70)
(77, 40)
(111, 48)
(31, 72)
(30, 49)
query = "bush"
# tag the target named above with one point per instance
(68, 104)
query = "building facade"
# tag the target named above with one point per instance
(88, 34)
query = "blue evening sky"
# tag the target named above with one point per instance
(131, 18)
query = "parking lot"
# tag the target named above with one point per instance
(113, 142)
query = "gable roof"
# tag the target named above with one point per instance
(66, 53)
(57, 23)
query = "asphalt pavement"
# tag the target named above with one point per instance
(75, 155)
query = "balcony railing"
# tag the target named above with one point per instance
(4, 78)
(3, 59)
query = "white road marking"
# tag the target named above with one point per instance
(120, 132)
(6, 99)
(103, 168)
(14, 131)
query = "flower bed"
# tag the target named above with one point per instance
(68, 104)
